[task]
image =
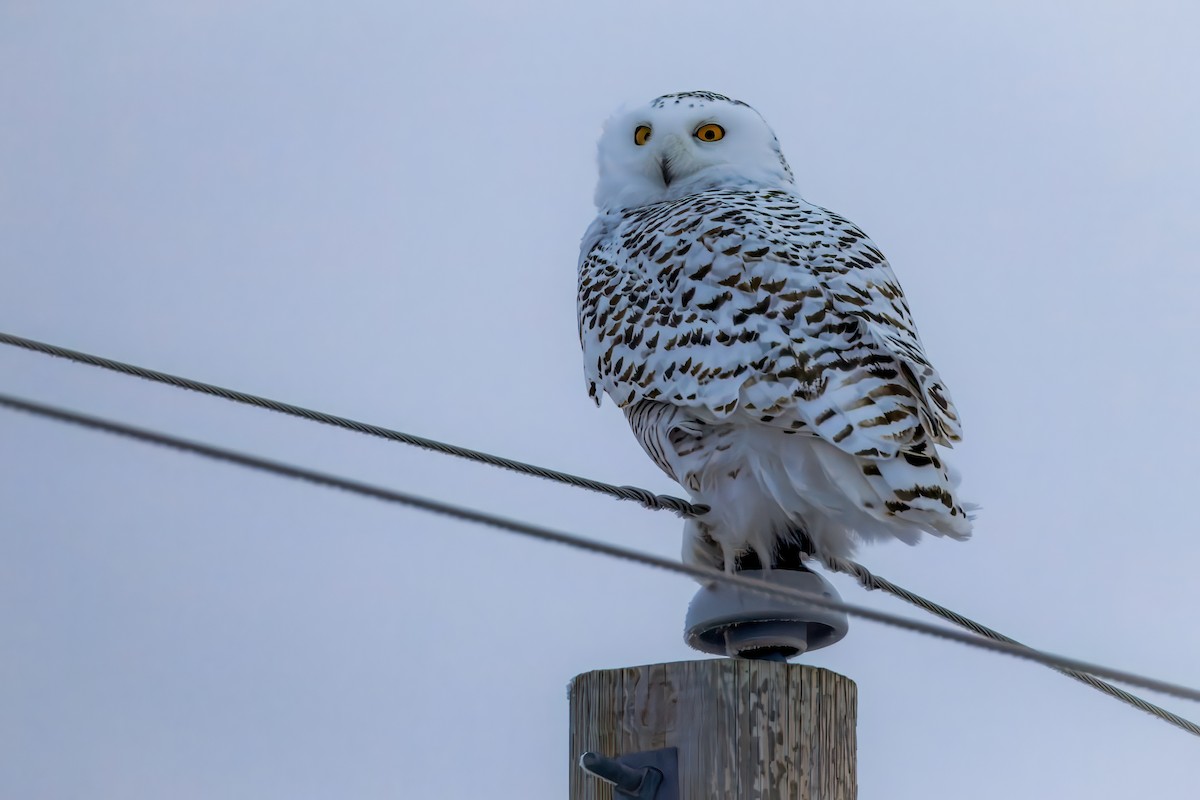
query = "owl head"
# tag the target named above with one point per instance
(680, 144)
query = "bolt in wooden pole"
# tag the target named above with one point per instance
(745, 730)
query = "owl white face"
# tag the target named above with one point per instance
(680, 144)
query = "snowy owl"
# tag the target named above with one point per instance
(760, 346)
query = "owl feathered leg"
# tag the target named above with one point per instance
(792, 549)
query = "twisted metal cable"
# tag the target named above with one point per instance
(702, 574)
(870, 582)
(632, 493)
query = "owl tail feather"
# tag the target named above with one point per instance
(776, 498)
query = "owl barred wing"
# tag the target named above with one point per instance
(869, 291)
(758, 302)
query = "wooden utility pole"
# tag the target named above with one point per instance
(743, 729)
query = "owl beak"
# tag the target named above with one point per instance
(664, 164)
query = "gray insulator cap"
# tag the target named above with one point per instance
(731, 621)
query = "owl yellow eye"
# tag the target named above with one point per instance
(641, 135)
(711, 132)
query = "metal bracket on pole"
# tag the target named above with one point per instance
(650, 775)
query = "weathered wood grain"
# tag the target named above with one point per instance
(746, 730)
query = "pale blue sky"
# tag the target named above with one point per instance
(374, 209)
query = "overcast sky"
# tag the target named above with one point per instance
(374, 209)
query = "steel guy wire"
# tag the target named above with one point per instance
(870, 581)
(702, 574)
(634, 493)
(647, 498)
